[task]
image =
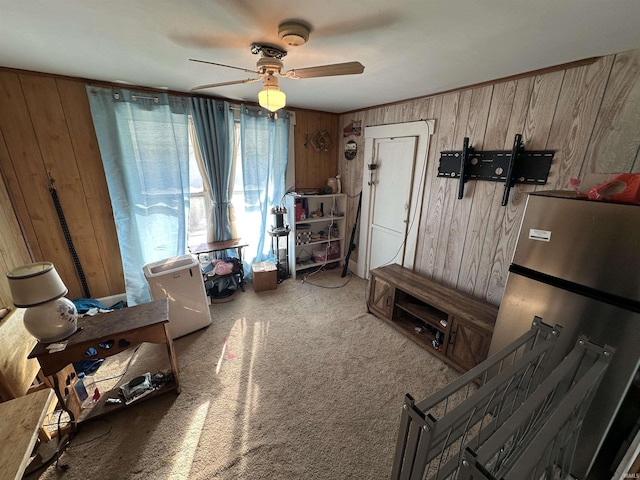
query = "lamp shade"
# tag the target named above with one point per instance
(37, 287)
(272, 98)
(35, 284)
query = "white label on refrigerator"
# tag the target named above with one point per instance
(542, 235)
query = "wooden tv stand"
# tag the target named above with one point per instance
(454, 326)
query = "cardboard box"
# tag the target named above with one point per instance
(265, 276)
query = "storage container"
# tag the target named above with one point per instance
(265, 276)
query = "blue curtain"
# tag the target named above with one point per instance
(144, 145)
(213, 122)
(264, 142)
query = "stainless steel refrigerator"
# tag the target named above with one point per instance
(577, 264)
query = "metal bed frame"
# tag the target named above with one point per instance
(439, 433)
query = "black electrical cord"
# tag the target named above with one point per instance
(55, 456)
(62, 443)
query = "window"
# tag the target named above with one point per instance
(247, 225)
(249, 221)
(199, 203)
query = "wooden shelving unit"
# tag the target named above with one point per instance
(454, 326)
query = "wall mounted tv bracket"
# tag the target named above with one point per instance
(510, 167)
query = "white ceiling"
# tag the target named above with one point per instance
(409, 48)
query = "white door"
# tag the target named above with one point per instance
(391, 204)
(390, 199)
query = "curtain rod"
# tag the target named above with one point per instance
(155, 99)
(136, 97)
(116, 95)
(237, 109)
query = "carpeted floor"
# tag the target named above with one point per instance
(294, 383)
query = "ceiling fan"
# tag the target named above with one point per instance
(270, 66)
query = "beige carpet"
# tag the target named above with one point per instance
(294, 383)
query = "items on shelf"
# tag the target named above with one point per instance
(335, 184)
(137, 388)
(317, 223)
(303, 237)
(218, 285)
(219, 267)
(329, 251)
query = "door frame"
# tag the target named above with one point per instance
(422, 129)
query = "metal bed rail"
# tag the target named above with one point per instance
(434, 433)
(539, 440)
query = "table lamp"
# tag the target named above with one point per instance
(37, 287)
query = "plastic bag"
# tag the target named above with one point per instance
(624, 188)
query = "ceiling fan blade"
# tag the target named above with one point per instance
(209, 41)
(222, 84)
(223, 65)
(349, 68)
(364, 23)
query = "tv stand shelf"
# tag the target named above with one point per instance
(454, 326)
(425, 313)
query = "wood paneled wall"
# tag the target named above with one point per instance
(47, 133)
(46, 128)
(589, 115)
(314, 167)
(13, 249)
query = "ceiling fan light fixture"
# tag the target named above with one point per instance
(272, 98)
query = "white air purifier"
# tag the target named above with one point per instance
(180, 280)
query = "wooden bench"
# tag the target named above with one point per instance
(20, 420)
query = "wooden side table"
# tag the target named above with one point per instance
(234, 244)
(20, 421)
(120, 330)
